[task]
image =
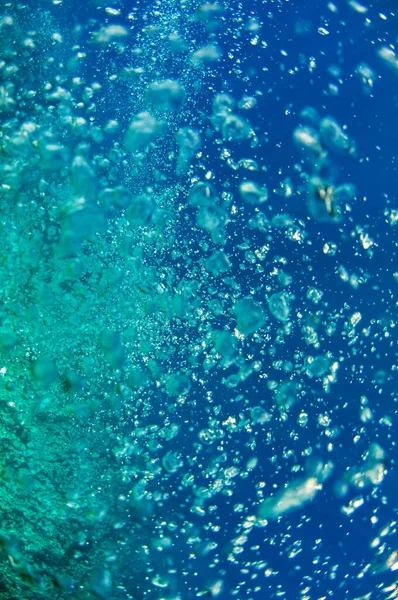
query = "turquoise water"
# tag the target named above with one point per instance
(198, 274)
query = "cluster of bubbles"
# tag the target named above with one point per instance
(168, 354)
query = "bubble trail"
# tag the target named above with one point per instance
(197, 309)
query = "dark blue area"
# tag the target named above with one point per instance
(372, 123)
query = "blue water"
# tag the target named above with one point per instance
(142, 456)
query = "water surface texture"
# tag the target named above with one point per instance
(198, 268)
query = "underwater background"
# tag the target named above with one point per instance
(198, 268)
